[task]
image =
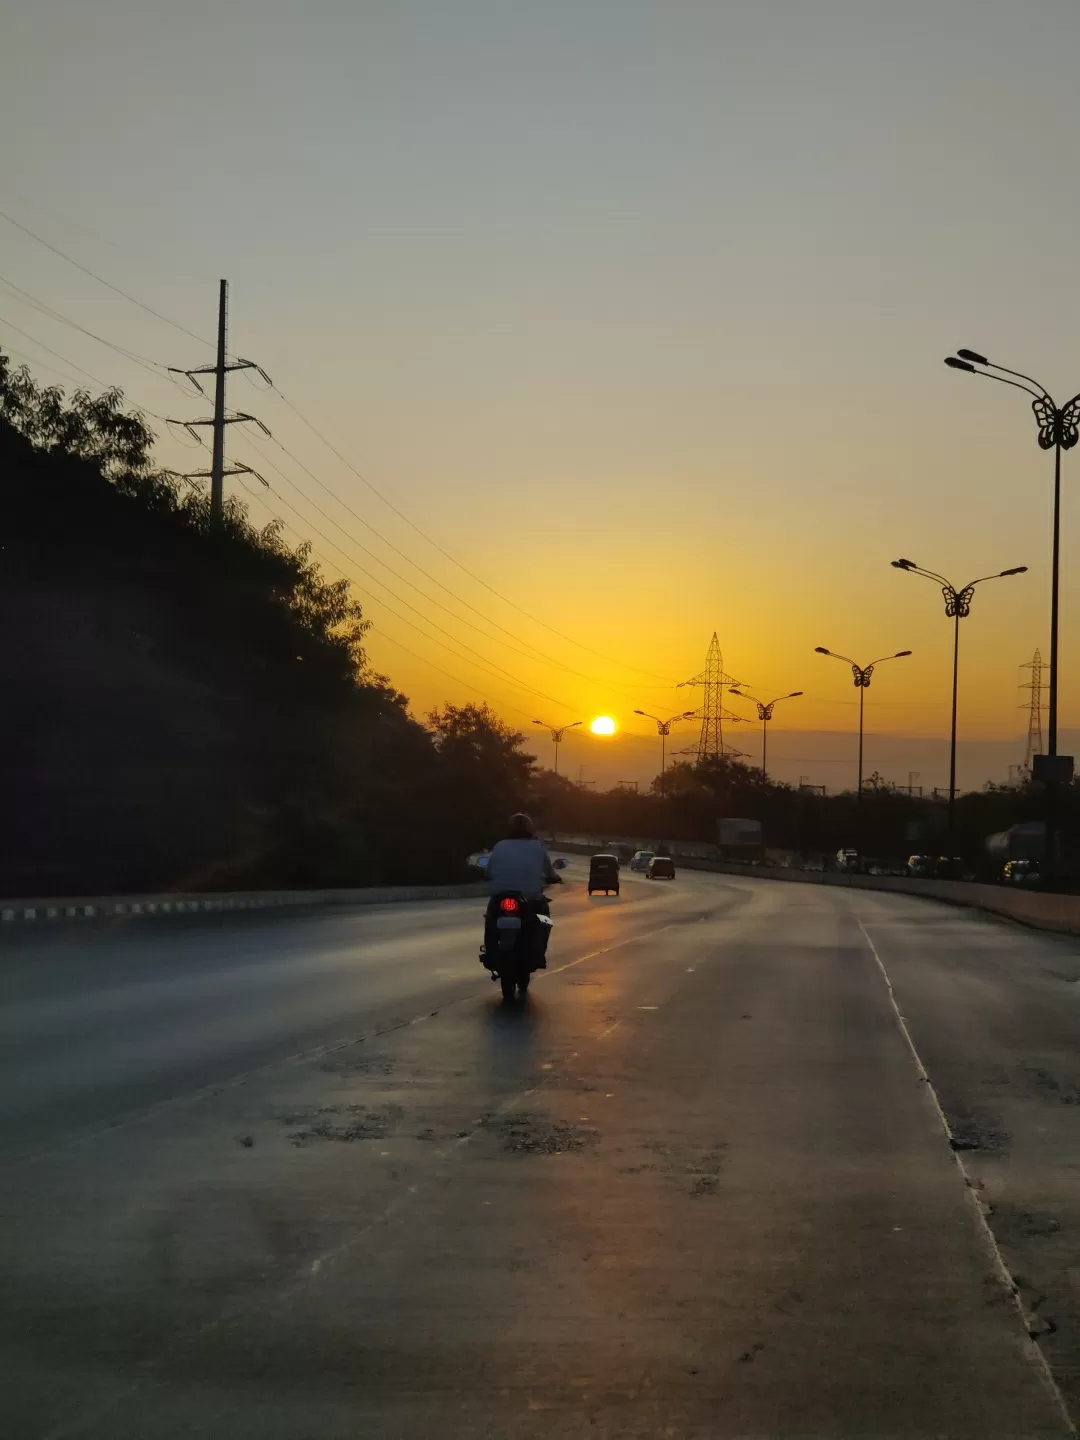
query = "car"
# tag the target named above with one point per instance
(1022, 872)
(847, 860)
(920, 866)
(604, 874)
(642, 860)
(661, 867)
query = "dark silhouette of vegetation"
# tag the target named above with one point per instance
(189, 705)
(892, 825)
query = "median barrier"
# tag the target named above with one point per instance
(139, 906)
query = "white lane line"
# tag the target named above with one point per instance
(1004, 1274)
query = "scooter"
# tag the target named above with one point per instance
(516, 935)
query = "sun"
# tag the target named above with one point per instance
(603, 725)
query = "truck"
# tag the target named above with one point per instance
(738, 839)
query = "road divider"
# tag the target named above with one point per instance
(129, 907)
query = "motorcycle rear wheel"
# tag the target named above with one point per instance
(507, 983)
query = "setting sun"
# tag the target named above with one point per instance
(603, 725)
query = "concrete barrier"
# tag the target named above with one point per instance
(141, 906)
(1044, 912)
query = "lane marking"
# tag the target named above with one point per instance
(981, 1220)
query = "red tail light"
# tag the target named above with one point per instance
(508, 905)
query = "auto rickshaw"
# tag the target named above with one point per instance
(604, 873)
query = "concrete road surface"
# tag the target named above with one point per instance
(308, 1177)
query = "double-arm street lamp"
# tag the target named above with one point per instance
(862, 674)
(957, 608)
(557, 732)
(1057, 430)
(764, 714)
(663, 729)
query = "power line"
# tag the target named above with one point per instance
(101, 281)
(426, 573)
(482, 661)
(7, 349)
(464, 568)
(40, 305)
(537, 654)
(364, 480)
(41, 344)
(460, 619)
(105, 384)
(498, 674)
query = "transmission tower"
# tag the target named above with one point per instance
(1034, 709)
(220, 418)
(712, 712)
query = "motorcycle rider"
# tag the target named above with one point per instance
(521, 864)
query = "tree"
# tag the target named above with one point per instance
(483, 774)
(187, 705)
(90, 427)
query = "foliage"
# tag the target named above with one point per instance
(189, 704)
(891, 826)
(90, 427)
(484, 775)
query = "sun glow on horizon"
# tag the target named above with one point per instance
(603, 725)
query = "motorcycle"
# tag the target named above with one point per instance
(516, 935)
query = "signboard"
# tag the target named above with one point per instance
(1052, 769)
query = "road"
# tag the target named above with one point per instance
(308, 1177)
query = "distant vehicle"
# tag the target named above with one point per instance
(642, 860)
(739, 839)
(604, 874)
(1020, 842)
(946, 868)
(661, 867)
(920, 866)
(847, 860)
(1022, 872)
(479, 862)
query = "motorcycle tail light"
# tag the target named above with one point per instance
(509, 906)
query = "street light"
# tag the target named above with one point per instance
(957, 608)
(663, 729)
(557, 732)
(764, 714)
(862, 674)
(1057, 431)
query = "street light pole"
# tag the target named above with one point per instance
(861, 674)
(663, 729)
(557, 732)
(1058, 430)
(957, 608)
(765, 714)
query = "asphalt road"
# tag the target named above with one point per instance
(308, 1177)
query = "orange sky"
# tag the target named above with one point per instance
(637, 311)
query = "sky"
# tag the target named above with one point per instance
(633, 312)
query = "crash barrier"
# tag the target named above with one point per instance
(1044, 912)
(139, 906)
